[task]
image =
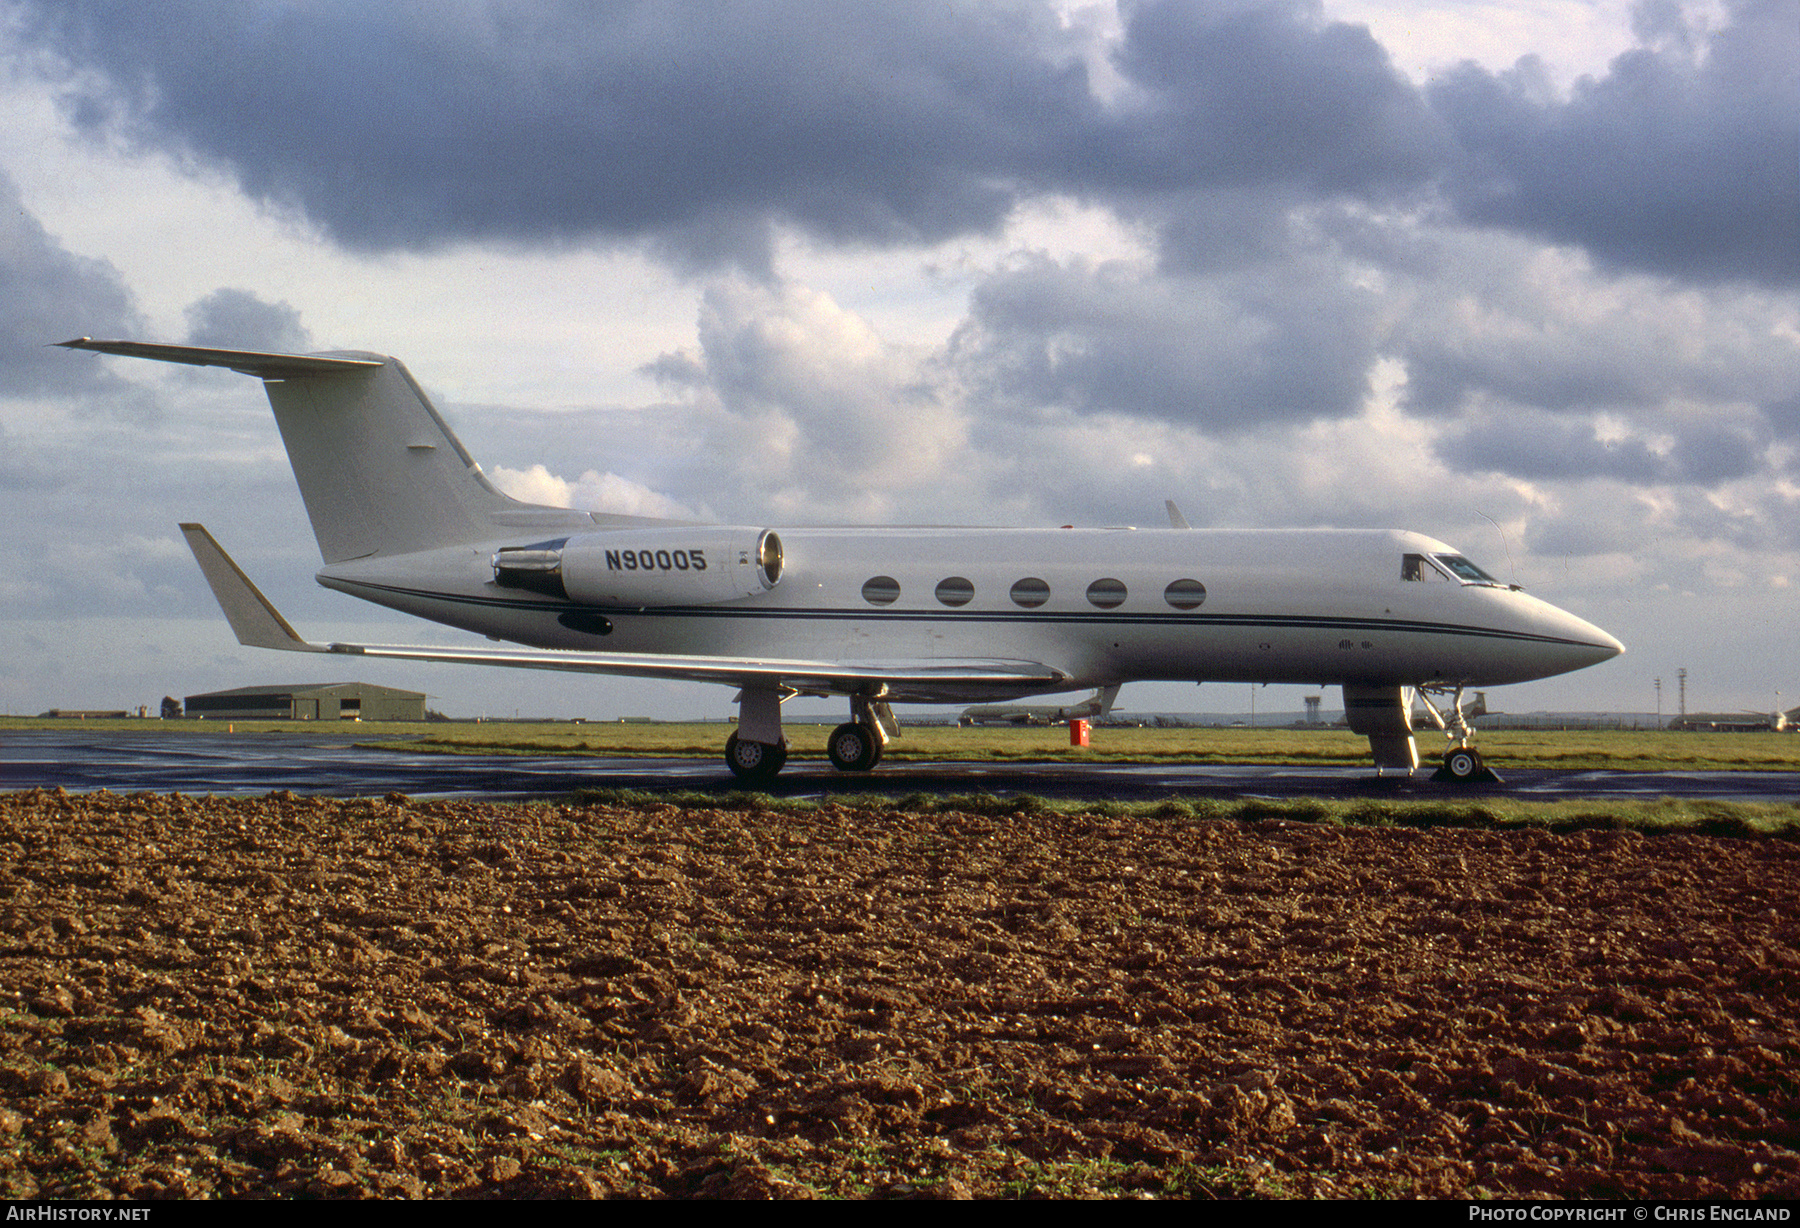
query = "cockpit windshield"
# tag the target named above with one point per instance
(1464, 570)
(1428, 567)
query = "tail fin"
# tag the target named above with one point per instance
(379, 470)
(377, 467)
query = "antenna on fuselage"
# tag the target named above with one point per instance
(1511, 566)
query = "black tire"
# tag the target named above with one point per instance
(853, 748)
(1462, 764)
(754, 762)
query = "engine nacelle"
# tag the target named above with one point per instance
(635, 568)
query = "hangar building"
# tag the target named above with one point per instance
(336, 701)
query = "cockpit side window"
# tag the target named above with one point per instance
(1421, 567)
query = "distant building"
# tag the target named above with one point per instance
(337, 701)
(1734, 722)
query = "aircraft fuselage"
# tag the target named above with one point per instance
(1103, 606)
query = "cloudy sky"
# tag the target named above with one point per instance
(1519, 274)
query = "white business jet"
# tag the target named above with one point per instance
(405, 518)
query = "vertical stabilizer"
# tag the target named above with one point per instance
(378, 469)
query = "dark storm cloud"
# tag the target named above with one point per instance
(1224, 354)
(1784, 417)
(410, 126)
(1711, 455)
(1496, 320)
(1540, 446)
(48, 294)
(696, 128)
(1680, 161)
(1235, 94)
(1443, 374)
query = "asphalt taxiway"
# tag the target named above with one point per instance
(358, 765)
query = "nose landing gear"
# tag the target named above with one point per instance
(1462, 762)
(1462, 765)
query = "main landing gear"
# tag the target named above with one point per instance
(757, 751)
(854, 747)
(1462, 762)
(755, 763)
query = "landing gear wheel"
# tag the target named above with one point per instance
(754, 763)
(853, 748)
(1462, 765)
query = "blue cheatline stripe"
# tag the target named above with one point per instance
(1035, 618)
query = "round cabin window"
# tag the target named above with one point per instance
(1185, 594)
(955, 591)
(881, 590)
(1030, 592)
(1108, 594)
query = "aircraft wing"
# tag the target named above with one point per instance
(928, 675)
(258, 624)
(253, 617)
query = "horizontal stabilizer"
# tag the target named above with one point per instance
(248, 362)
(257, 623)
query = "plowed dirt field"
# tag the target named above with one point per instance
(299, 996)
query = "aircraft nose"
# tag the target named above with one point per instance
(1593, 644)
